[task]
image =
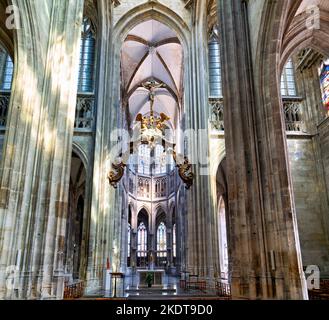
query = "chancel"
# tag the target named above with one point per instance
(164, 150)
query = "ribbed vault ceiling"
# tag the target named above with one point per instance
(152, 51)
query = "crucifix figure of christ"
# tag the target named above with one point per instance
(152, 121)
(151, 86)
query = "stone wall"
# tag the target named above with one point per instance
(324, 147)
(308, 194)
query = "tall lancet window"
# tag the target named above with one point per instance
(162, 240)
(160, 160)
(215, 77)
(85, 109)
(6, 78)
(87, 57)
(7, 68)
(142, 240)
(288, 81)
(144, 159)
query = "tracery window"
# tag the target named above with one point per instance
(144, 159)
(87, 57)
(142, 240)
(288, 81)
(160, 160)
(215, 78)
(162, 240)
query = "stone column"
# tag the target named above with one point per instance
(124, 232)
(200, 216)
(134, 226)
(36, 171)
(60, 96)
(263, 239)
(133, 251)
(182, 235)
(178, 222)
(105, 209)
(152, 239)
(169, 227)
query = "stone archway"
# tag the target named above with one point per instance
(104, 197)
(143, 239)
(301, 35)
(77, 229)
(223, 236)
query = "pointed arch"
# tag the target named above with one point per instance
(148, 11)
(159, 208)
(299, 36)
(78, 150)
(145, 213)
(162, 14)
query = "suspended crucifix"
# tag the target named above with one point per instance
(151, 132)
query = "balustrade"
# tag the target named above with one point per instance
(4, 104)
(293, 115)
(217, 113)
(84, 115)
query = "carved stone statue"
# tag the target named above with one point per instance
(185, 171)
(116, 174)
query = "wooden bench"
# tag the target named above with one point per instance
(322, 293)
(74, 290)
(182, 284)
(223, 289)
(197, 284)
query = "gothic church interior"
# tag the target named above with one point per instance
(165, 149)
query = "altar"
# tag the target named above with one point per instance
(158, 277)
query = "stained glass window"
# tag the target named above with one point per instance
(324, 79)
(162, 240)
(87, 57)
(215, 78)
(142, 240)
(288, 81)
(160, 160)
(7, 75)
(144, 159)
